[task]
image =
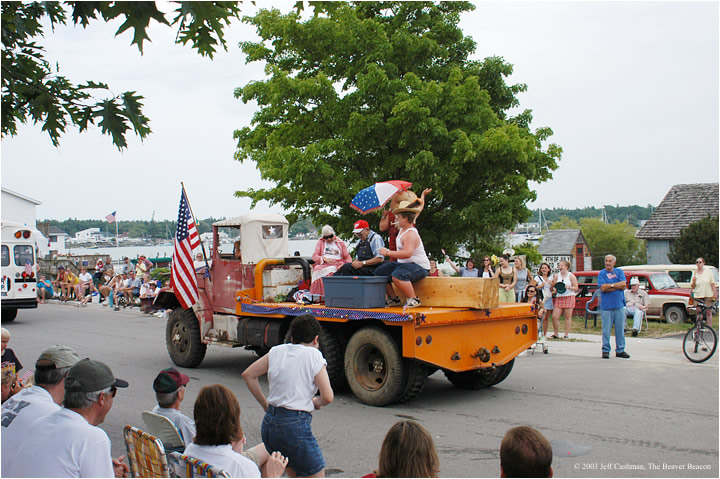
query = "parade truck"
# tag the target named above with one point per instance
(384, 354)
(19, 269)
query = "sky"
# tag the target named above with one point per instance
(630, 90)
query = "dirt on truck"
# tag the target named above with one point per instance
(384, 354)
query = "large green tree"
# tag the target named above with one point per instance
(697, 240)
(373, 91)
(33, 89)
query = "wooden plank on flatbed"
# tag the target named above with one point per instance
(476, 293)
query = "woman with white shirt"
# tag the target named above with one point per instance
(219, 438)
(565, 285)
(704, 287)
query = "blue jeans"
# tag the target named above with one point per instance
(289, 432)
(403, 271)
(613, 318)
(637, 315)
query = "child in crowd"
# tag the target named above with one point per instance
(9, 360)
(295, 373)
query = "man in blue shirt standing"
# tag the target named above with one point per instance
(611, 281)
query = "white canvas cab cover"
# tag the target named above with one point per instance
(262, 235)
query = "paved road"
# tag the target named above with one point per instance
(655, 415)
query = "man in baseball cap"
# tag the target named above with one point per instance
(367, 252)
(169, 386)
(69, 441)
(37, 401)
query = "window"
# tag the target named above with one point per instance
(681, 276)
(5, 256)
(661, 281)
(23, 255)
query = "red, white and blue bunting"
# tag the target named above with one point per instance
(324, 312)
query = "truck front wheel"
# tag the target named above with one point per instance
(182, 337)
(374, 366)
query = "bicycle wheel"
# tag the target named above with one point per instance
(700, 343)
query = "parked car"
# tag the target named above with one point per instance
(667, 300)
(681, 273)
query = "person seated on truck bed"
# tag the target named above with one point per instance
(412, 262)
(329, 255)
(387, 222)
(367, 251)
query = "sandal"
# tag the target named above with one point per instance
(554, 336)
(566, 337)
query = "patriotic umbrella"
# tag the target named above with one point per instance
(374, 197)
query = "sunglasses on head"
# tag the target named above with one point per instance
(329, 237)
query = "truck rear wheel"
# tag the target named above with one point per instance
(182, 338)
(477, 379)
(415, 375)
(333, 354)
(9, 315)
(374, 366)
(503, 372)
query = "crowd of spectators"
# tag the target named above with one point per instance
(129, 286)
(57, 418)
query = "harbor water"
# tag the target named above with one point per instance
(305, 247)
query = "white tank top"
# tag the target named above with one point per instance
(568, 283)
(418, 257)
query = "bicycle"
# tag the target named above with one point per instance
(700, 341)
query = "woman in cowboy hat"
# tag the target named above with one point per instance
(412, 263)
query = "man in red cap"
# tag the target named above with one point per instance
(169, 388)
(367, 252)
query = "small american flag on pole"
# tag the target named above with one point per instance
(182, 275)
(111, 217)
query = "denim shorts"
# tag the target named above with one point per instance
(289, 432)
(403, 271)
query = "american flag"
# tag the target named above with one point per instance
(111, 217)
(182, 276)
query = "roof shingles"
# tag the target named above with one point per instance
(682, 205)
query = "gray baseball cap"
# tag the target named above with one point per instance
(59, 356)
(94, 376)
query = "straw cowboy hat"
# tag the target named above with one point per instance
(405, 206)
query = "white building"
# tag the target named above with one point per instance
(18, 208)
(57, 238)
(90, 235)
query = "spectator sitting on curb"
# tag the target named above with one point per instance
(169, 387)
(525, 452)
(71, 281)
(69, 441)
(44, 289)
(148, 292)
(37, 401)
(59, 279)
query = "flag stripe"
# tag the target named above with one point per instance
(182, 277)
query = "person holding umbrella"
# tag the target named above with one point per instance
(387, 222)
(412, 263)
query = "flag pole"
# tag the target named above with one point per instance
(202, 245)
